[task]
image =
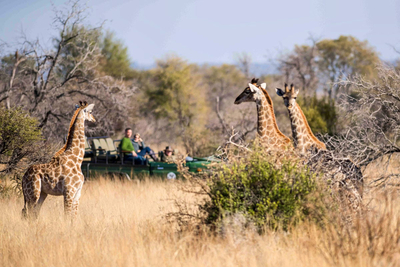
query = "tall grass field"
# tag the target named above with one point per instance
(124, 224)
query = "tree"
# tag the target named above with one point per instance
(115, 60)
(176, 95)
(49, 82)
(342, 58)
(324, 63)
(300, 67)
(223, 84)
(244, 63)
(373, 115)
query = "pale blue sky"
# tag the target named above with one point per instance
(214, 31)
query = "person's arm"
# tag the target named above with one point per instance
(126, 145)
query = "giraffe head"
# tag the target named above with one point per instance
(252, 93)
(289, 96)
(88, 113)
(87, 110)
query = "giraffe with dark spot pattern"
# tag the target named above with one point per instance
(62, 176)
(347, 174)
(270, 135)
(303, 137)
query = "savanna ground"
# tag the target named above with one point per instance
(123, 224)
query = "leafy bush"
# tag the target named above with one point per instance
(18, 134)
(268, 196)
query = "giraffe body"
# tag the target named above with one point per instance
(62, 175)
(346, 175)
(267, 129)
(303, 137)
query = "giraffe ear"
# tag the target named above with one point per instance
(264, 86)
(90, 107)
(253, 88)
(279, 91)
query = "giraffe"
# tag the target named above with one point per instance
(62, 175)
(303, 137)
(347, 175)
(267, 129)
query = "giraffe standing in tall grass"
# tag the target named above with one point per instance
(62, 176)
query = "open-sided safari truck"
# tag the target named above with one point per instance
(103, 157)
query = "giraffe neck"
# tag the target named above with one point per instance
(76, 137)
(267, 127)
(303, 137)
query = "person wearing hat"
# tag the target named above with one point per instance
(167, 155)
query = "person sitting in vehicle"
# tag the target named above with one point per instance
(127, 148)
(167, 155)
(141, 148)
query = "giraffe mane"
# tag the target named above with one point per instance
(308, 129)
(82, 106)
(271, 109)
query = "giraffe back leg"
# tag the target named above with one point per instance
(31, 188)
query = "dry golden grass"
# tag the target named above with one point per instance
(122, 224)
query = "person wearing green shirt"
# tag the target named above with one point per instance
(131, 153)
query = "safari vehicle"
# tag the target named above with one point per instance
(102, 157)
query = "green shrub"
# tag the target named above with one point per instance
(266, 195)
(18, 134)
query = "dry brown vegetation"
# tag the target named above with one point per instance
(123, 224)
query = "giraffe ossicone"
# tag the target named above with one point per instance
(62, 176)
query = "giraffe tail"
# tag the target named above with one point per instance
(24, 210)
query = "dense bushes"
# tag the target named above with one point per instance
(266, 195)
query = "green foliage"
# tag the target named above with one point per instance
(267, 195)
(176, 96)
(321, 114)
(18, 132)
(343, 57)
(115, 60)
(347, 54)
(223, 78)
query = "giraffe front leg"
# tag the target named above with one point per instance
(75, 203)
(39, 203)
(68, 201)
